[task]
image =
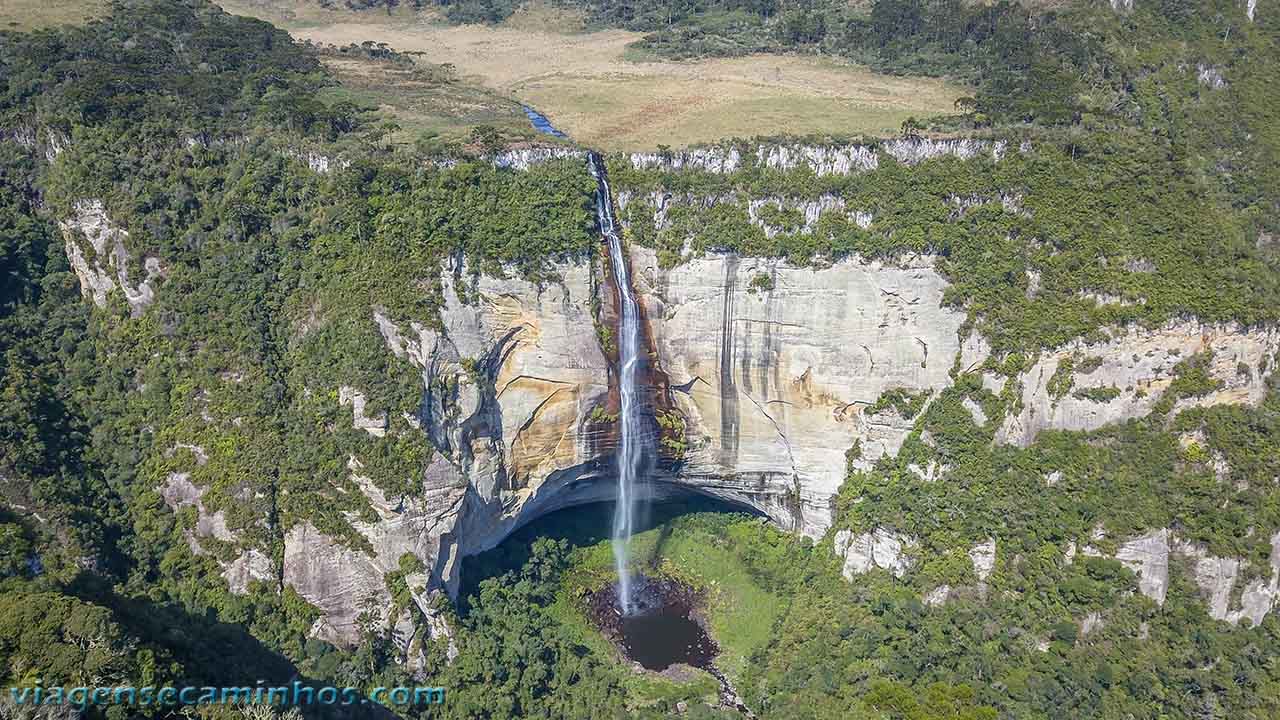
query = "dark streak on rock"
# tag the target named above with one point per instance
(729, 421)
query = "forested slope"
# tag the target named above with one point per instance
(184, 152)
(238, 224)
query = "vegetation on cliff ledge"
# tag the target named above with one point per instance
(279, 213)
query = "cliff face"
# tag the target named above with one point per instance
(772, 372)
(1138, 366)
(98, 253)
(772, 367)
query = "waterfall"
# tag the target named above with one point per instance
(630, 449)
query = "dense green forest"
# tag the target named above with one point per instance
(195, 128)
(198, 131)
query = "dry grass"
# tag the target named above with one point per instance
(32, 14)
(420, 103)
(591, 89)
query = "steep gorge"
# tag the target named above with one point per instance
(769, 372)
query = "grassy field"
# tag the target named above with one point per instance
(32, 14)
(604, 95)
(589, 83)
(420, 102)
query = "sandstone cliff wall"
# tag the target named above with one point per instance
(771, 368)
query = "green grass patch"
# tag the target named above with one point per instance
(687, 543)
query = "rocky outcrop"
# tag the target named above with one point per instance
(663, 202)
(910, 151)
(315, 161)
(810, 212)
(1091, 623)
(820, 159)
(983, 557)
(106, 243)
(713, 160)
(1210, 77)
(375, 426)
(772, 376)
(937, 597)
(179, 492)
(42, 142)
(1139, 364)
(881, 549)
(1218, 577)
(509, 382)
(527, 157)
(1150, 557)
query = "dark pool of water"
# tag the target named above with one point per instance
(663, 629)
(664, 637)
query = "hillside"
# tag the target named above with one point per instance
(311, 359)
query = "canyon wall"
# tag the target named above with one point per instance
(771, 369)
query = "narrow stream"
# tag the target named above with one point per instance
(541, 123)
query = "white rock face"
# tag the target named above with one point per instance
(1091, 622)
(251, 566)
(810, 210)
(1216, 577)
(713, 160)
(315, 161)
(24, 135)
(508, 386)
(89, 222)
(882, 549)
(930, 472)
(1010, 202)
(1210, 77)
(983, 556)
(179, 492)
(662, 202)
(525, 158)
(55, 144)
(375, 426)
(979, 415)
(822, 160)
(1140, 364)
(911, 151)
(772, 384)
(1148, 556)
(1250, 8)
(344, 581)
(937, 597)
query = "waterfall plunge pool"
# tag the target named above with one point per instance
(665, 626)
(673, 630)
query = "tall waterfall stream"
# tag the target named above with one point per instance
(630, 443)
